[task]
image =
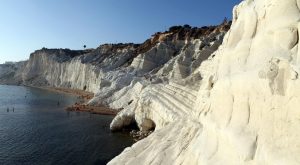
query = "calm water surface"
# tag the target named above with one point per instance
(40, 132)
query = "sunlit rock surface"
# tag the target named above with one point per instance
(155, 83)
(247, 106)
(237, 103)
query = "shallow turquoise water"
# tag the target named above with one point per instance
(39, 131)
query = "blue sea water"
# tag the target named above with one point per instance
(39, 131)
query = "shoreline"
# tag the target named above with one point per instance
(74, 92)
(84, 97)
(100, 110)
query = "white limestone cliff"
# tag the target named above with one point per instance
(246, 110)
(237, 103)
(136, 78)
(10, 72)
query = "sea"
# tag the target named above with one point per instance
(36, 130)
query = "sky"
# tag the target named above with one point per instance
(28, 25)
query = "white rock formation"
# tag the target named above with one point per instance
(237, 105)
(246, 110)
(10, 72)
(74, 69)
(155, 83)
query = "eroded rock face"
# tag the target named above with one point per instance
(245, 110)
(112, 67)
(233, 104)
(10, 73)
(168, 88)
(164, 84)
(156, 83)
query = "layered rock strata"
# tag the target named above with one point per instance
(162, 73)
(209, 104)
(247, 106)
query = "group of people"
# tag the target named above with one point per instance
(13, 109)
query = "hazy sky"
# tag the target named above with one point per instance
(28, 25)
